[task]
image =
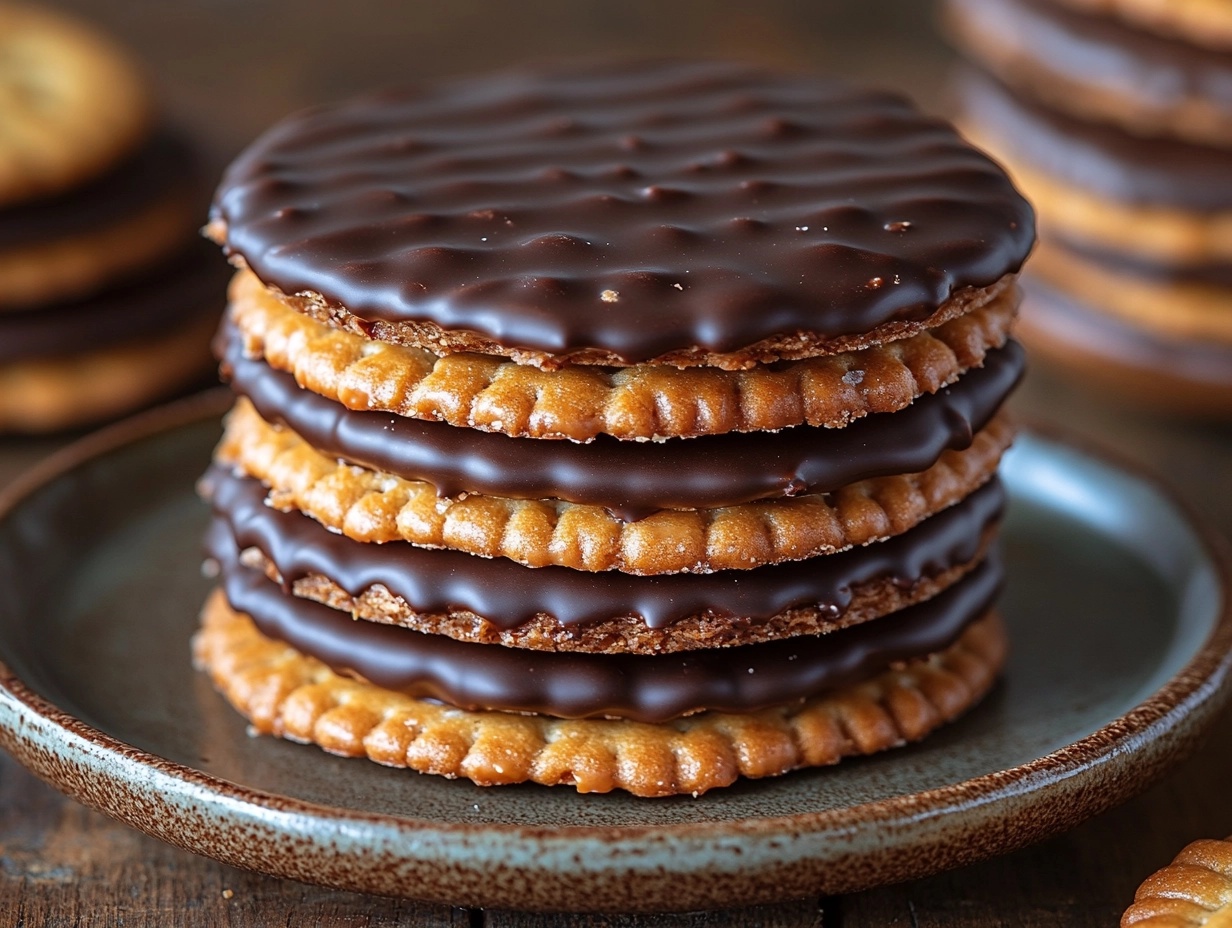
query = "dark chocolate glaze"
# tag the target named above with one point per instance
(192, 284)
(723, 204)
(508, 594)
(634, 479)
(568, 685)
(166, 164)
(1099, 159)
(1100, 51)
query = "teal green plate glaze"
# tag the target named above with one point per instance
(1120, 628)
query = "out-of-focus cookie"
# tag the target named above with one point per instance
(1154, 370)
(1194, 891)
(282, 692)
(136, 217)
(580, 402)
(71, 103)
(1159, 199)
(1157, 299)
(1098, 68)
(1207, 23)
(82, 362)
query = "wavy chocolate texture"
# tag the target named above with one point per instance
(508, 594)
(637, 209)
(643, 688)
(634, 479)
(1101, 160)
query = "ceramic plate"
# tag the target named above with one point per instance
(1120, 630)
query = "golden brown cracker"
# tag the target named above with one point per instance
(436, 340)
(1194, 891)
(285, 693)
(578, 403)
(371, 506)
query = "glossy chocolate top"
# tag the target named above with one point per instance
(1102, 160)
(638, 209)
(508, 594)
(568, 685)
(192, 284)
(165, 165)
(1103, 52)
(634, 479)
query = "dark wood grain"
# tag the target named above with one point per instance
(226, 69)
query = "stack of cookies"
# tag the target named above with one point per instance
(106, 299)
(1116, 117)
(633, 427)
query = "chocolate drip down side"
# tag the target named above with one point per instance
(653, 688)
(638, 209)
(635, 479)
(507, 594)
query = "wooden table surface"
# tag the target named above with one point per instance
(226, 69)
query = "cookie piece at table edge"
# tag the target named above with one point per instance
(1194, 891)
(285, 693)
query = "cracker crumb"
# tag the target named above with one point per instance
(227, 894)
(609, 296)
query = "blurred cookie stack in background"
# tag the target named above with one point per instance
(1115, 116)
(107, 296)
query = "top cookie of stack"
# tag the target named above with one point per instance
(1116, 117)
(97, 219)
(664, 318)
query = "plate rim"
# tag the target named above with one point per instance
(1204, 682)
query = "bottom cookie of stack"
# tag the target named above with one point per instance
(651, 724)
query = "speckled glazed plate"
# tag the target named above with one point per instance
(1121, 634)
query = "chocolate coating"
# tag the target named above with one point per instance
(164, 166)
(566, 685)
(636, 209)
(508, 594)
(634, 479)
(1101, 51)
(1100, 159)
(190, 286)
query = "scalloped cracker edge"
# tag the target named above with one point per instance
(634, 403)
(376, 507)
(285, 693)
